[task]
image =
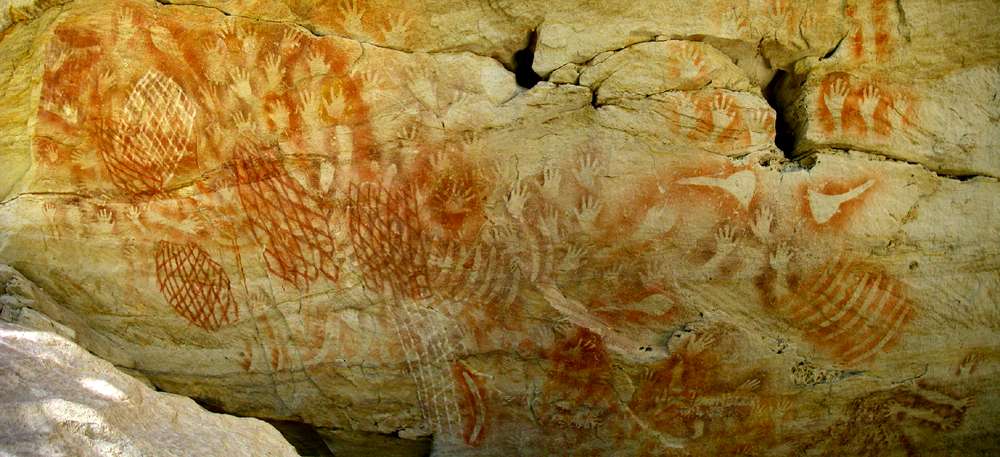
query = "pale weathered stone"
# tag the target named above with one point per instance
(57, 399)
(358, 215)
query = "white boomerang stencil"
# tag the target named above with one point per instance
(823, 206)
(741, 185)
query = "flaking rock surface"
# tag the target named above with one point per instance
(349, 214)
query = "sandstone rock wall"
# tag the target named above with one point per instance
(350, 214)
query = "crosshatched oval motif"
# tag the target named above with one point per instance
(196, 286)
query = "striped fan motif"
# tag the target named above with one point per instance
(850, 310)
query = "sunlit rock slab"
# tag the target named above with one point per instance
(58, 399)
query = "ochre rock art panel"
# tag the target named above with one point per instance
(345, 230)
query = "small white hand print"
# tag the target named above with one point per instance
(191, 225)
(309, 102)
(761, 225)
(691, 62)
(779, 7)
(106, 79)
(699, 343)
(722, 113)
(588, 168)
(241, 83)
(394, 32)
(228, 29)
(251, 46)
(587, 213)
(370, 77)
(439, 160)
(471, 142)
(79, 156)
(422, 88)
(279, 115)
(272, 72)
(780, 259)
(749, 385)
(869, 101)
(244, 123)
(458, 199)
(335, 103)
(551, 179)
(572, 260)
(835, 96)
(895, 115)
(353, 15)
(500, 234)
(105, 219)
(317, 64)
(516, 200)
(654, 271)
(408, 134)
(725, 241)
(614, 274)
(126, 25)
(69, 113)
(781, 408)
(289, 39)
(762, 126)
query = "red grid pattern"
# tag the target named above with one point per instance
(195, 285)
(292, 225)
(388, 240)
(152, 133)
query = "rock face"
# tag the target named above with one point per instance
(350, 214)
(60, 400)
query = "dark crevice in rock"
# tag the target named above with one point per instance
(784, 133)
(877, 155)
(303, 437)
(834, 49)
(310, 440)
(358, 444)
(523, 59)
(306, 440)
(208, 404)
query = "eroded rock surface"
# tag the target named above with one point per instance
(350, 214)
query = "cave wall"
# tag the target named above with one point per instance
(525, 228)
